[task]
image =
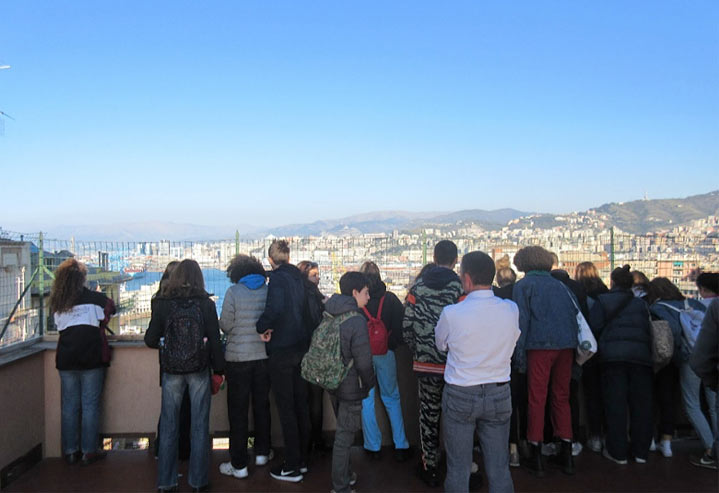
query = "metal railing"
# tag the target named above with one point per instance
(130, 271)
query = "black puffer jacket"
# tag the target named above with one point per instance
(392, 312)
(620, 323)
(314, 307)
(354, 344)
(284, 311)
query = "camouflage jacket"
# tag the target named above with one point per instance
(438, 288)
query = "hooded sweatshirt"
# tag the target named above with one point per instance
(437, 288)
(284, 311)
(244, 303)
(354, 345)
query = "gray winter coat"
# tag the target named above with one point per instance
(354, 344)
(240, 311)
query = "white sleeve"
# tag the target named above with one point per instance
(441, 331)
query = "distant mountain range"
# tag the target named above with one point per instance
(639, 217)
(643, 216)
(387, 221)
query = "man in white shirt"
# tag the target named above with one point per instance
(479, 334)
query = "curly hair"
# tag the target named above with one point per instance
(67, 288)
(244, 265)
(533, 258)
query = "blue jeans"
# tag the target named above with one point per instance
(173, 388)
(81, 392)
(385, 367)
(691, 388)
(485, 409)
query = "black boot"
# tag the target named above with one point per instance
(535, 462)
(564, 459)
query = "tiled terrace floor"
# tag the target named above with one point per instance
(135, 471)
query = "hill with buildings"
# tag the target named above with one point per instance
(644, 216)
(638, 217)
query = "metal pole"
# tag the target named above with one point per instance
(237, 242)
(424, 247)
(41, 281)
(611, 248)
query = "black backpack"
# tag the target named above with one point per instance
(184, 349)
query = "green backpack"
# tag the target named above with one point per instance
(322, 364)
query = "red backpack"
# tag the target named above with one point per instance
(377, 331)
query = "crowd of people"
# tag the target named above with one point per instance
(494, 359)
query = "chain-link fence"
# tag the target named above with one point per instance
(130, 272)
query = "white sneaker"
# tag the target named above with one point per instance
(595, 444)
(262, 460)
(475, 468)
(665, 448)
(353, 478)
(639, 460)
(576, 448)
(653, 446)
(549, 448)
(607, 455)
(227, 469)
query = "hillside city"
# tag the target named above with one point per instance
(679, 254)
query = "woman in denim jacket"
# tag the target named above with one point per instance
(668, 303)
(545, 350)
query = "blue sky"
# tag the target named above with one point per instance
(268, 113)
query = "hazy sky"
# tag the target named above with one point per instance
(272, 112)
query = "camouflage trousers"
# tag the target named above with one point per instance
(430, 408)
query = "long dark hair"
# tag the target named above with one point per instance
(663, 289)
(185, 281)
(67, 288)
(587, 275)
(166, 275)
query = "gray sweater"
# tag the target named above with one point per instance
(240, 311)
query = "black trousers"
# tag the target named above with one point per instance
(244, 380)
(666, 384)
(518, 421)
(592, 380)
(627, 384)
(316, 401)
(290, 391)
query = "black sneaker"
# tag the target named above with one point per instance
(282, 474)
(705, 460)
(73, 458)
(92, 457)
(430, 476)
(402, 454)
